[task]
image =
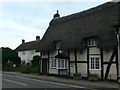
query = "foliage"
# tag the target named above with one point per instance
(11, 56)
(93, 75)
(25, 69)
(78, 74)
(29, 69)
(35, 61)
(15, 68)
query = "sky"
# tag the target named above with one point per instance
(28, 19)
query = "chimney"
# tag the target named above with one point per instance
(23, 41)
(37, 38)
(57, 15)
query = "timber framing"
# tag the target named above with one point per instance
(88, 72)
(102, 70)
(109, 64)
(75, 52)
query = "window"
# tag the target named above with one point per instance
(32, 51)
(58, 63)
(53, 63)
(95, 63)
(92, 42)
(23, 52)
(57, 44)
(62, 64)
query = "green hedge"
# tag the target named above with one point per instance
(29, 69)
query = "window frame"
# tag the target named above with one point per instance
(53, 62)
(23, 53)
(94, 63)
(92, 42)
(59, 63)
(57, 44)
(65, 64)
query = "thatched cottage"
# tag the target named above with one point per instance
(83, 42)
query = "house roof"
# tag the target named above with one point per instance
(28, 46)
(73, 30)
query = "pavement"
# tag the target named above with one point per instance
(99, 84)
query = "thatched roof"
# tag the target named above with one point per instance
(73, 30)
(28, 46)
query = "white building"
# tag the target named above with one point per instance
(26, 51)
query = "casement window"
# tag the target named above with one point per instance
(95, 63)
(58, 63)
(32, 51)
(57, 44)
(23, 53)
(53, 63)
(92, 42)
(62, 64)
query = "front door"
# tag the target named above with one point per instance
(44, 66)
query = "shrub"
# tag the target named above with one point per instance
(35, 61)
(78, 74)
(15, 68)
(25, 69)
(29, 69)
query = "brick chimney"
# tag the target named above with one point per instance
(57, 15)
(23, 41)
(37, 38)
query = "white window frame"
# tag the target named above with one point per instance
(92, 42)
(64, 62)
(94, 63)
(53, 62)
(57, 45)
(56, 63)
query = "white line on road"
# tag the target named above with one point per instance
(74, 86)
(14, 82)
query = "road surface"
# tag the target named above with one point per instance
(14, 81)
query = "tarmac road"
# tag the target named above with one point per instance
(13, 81)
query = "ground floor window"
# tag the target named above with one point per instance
(53, 63)
(62, 64)
(58, 63)
(95, 63)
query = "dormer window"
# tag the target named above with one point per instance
(57, 44)
(92, 42)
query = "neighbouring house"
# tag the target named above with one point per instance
(83, 42)
(26, 51)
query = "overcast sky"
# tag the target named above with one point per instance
(26, 20)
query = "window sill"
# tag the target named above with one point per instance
(95, 69)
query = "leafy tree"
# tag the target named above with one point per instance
(35, 61)
(11, 56)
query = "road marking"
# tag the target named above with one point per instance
(74, 86)
(14, 82)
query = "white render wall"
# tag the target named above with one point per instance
(29, 54)
(82, 67)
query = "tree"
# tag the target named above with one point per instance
(10, 56)
(35, 61)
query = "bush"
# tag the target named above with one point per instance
(35, 61)
(25, 69)
(78, 74)
(29, 69)
(15, 68)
